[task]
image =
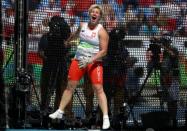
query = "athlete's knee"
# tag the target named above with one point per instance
(98, 89)
(71, 86)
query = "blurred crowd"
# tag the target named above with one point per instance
(137, 17)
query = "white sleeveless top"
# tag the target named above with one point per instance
(89, 42)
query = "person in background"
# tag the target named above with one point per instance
(80, 8)
(170, 76)
(109, 18)
(115, 65)
(53, 52)
(88, 59)
(130, 20)
(8, 22)
(132, 85)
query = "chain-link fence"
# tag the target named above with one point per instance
(145, 68)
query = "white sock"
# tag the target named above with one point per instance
(59, 110)
(105, 117)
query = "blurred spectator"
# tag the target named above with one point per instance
(8, 23)
(131, 22)
(185, 25)
(33, 4)
(149, 28)
(159, 18)
(146, 3)
(145, 6)
(73, 24)
(120, 2)
(63, 4)
(135, 28)
(130, 14)
(109, 18)
(68, 10)
(45, 25)
(38, 25)
(181, 23)
(53, 9)
(80, 8)
(172, 12)
(7, 3)
(118, 8)
(170, 8)
(127, 2)
(39, 18)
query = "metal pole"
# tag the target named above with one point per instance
(20, 39)
(22, 87)
(21, 34)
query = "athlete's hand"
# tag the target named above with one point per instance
(84, 62)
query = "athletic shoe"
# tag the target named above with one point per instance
(58, 114)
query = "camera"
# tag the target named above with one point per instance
(59, 30)
(58, 27)
(157, 43)
(165, 39)
(117, 52)
(117, 34)
(162, 41)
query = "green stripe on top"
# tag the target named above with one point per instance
(85, 45)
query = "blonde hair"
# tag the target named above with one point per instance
(96, 6)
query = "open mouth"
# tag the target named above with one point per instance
(94, 18)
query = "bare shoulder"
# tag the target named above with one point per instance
(103, 32)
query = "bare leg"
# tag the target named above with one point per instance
(59, 93)
(65, 100)
(101, 98)
(98, 88)
(67, 95)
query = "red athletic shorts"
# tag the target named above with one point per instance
(95, 72)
